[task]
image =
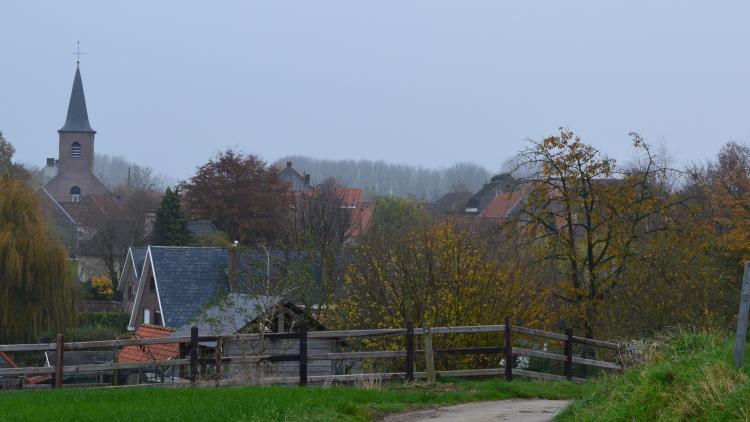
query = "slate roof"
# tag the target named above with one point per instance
(150, 351)
(187, 278)
(229, 315)
(78, 117)
(297, 182)
(201, 227)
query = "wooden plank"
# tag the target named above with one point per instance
(543, 376)
(463, 329)
(539, 354)
(97, 367)
(472, 372)
(409, 351)
(358, 355)
(429, 358)
(568, 367)
(540, 333)
(99, 344)
(29, 370)
(469, 350)
(596, 343)
(597, 363)
(563, 358)
(303, 354)
(193, 354)
(357, 333)
(742, 315)
(508, 349)
(40, 347)
(59, 361)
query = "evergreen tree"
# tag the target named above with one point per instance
(37, 288)
(170, 227)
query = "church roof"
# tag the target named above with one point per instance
(78, 117)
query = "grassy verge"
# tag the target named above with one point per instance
(690, 378)
(264, 403)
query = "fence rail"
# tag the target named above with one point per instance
(192, 362)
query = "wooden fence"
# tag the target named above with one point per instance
(192, 365)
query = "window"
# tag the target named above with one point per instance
(75, 151)
(146, 316)
(151, 283)
(130, 291)
(75, 194)
(157, 318)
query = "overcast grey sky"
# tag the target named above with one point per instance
(431, 82)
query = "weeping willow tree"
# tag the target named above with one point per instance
(37, 289)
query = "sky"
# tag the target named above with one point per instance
(423, 82)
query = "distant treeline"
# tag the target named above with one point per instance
(379, 178)
(115, 171)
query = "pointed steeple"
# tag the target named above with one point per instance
(78, 117)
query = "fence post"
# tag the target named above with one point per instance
(219, 357)
(59, 361)
(508, 349)
(193, 355)
(739, 344)
(115, 372)
(568, 367)
(303, 354)
(429, 358)
(409, 350)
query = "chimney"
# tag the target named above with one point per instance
(288, 164)
(233, 267)
(307, 179)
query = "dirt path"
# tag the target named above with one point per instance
(489, 411)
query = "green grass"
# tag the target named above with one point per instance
(690, 378)
(263, 403)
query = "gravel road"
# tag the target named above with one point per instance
(489, 411)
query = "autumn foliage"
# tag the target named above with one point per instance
(37, 289)
(241, 195)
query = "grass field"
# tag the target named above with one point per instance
(690, 378)
(263, 403)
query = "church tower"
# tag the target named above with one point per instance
(76, 136)
(74, 176)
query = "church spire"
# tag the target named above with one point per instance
(78, 117)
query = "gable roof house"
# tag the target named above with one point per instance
(176, 282)
(298, 182)
(500, 183)
(130, 276)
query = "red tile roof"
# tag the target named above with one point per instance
(501, 205)
(360, 220)
(94, 209)
(151, 351)
(350, 197)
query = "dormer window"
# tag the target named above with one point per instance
(75, 151)
(75, 194)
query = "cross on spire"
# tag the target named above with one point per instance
(78, 53)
